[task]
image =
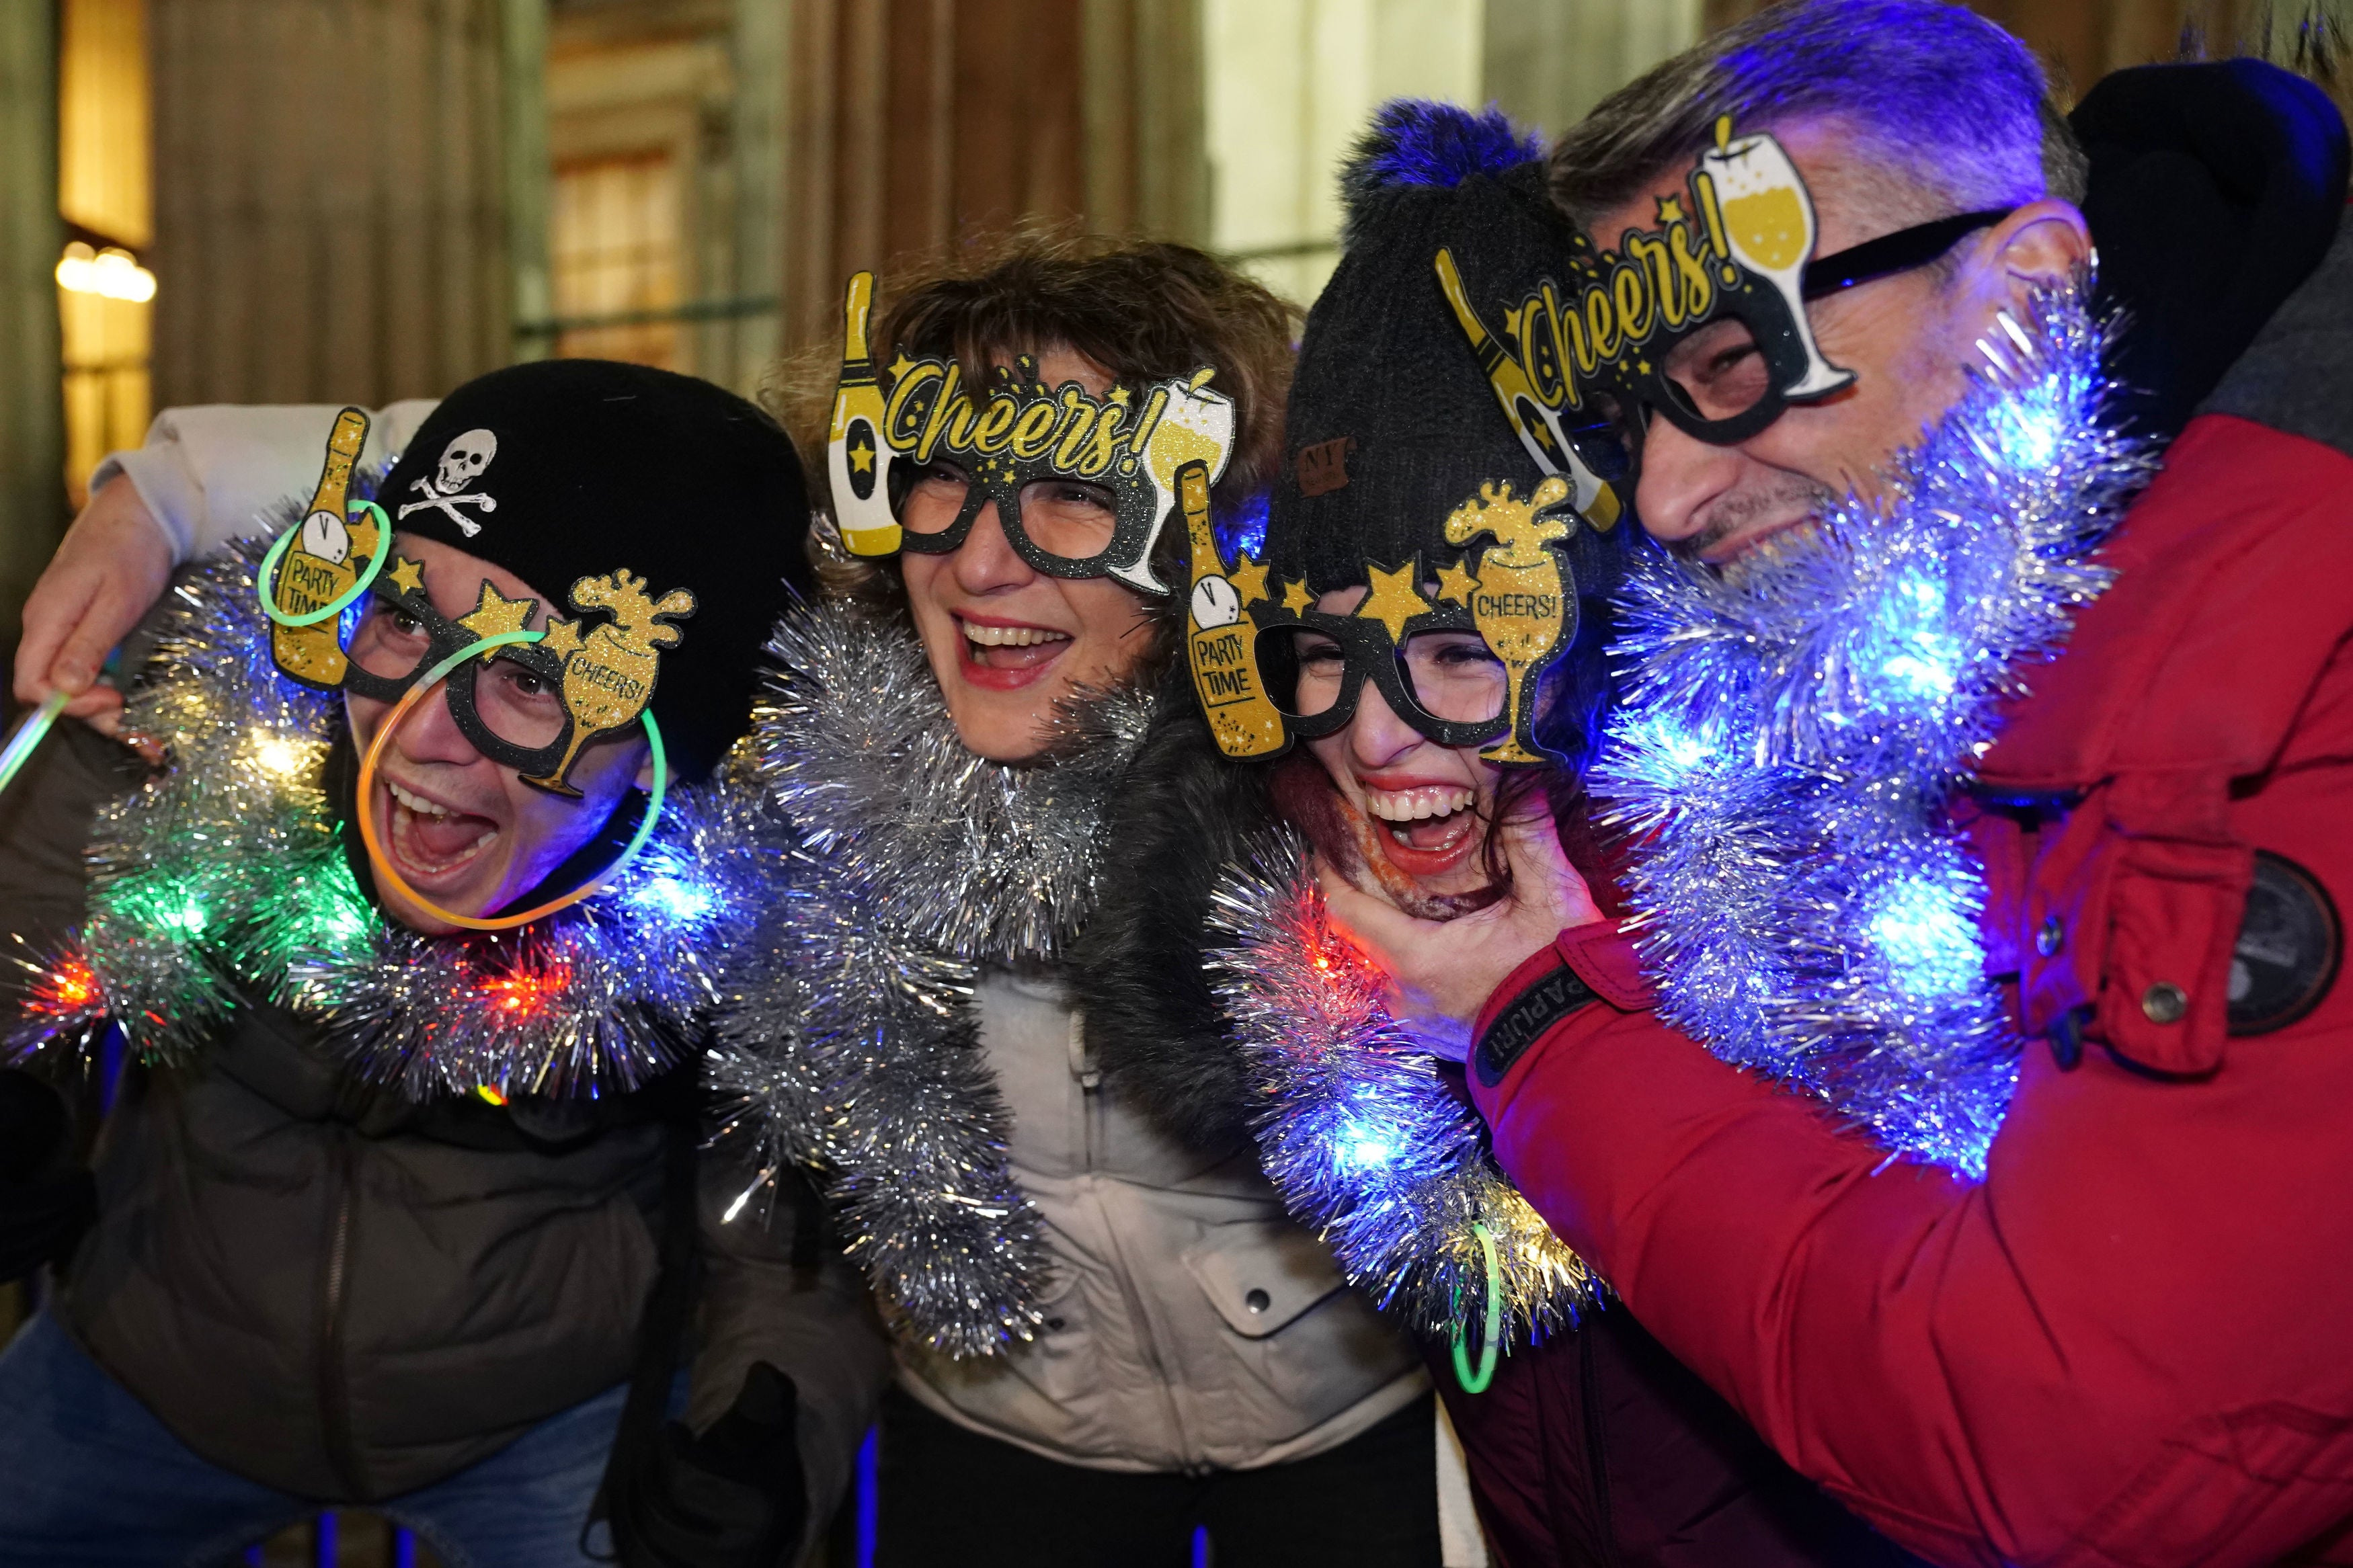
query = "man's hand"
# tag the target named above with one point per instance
(1442, 972)
(113, 564)
(733, 1498)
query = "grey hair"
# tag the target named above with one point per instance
(1950, 113)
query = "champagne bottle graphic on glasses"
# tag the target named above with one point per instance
(1534, 421)
(326, 556)
(1768, 221)
(1226, 678)
(854, 451)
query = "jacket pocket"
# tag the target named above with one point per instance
(2246, 1486)
(2174, 913)
(2137, 906)
(1261, 1275)
(1298, 1347)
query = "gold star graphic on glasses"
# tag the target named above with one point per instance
(1396, 598)
(496, 614)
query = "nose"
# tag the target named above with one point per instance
(986, 562)
(1376, 736)
(1680, 476)
(430, 735)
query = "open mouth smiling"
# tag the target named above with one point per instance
(430, 840)
(1002, 655)
(1425, 829)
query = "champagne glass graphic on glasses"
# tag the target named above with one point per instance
(1768, 220)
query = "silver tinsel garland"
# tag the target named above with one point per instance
(1362, 1137)
(849, 1030)
(980, 859)
(1796, 725)
(225, 878)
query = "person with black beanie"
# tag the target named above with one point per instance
(1587, 1441)
(407, 904)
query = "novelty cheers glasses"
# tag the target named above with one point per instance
(1519, 599)
(1768, 221)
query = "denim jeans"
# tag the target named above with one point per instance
(87, 1476)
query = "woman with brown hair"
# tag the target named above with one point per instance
(1110, 1336)
(1426, 536)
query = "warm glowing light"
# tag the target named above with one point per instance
(68, 989)
(280, 755)
(525, 993)
(113, 273)
(492, 1095)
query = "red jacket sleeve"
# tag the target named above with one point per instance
(2126, 1345)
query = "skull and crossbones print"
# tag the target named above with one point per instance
(462, 462)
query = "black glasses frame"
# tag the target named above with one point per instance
(1631, 399)
(443, 638)
(1133, 509)
(1891, 253)
(1370, 653)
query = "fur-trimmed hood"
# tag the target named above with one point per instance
(1135, 971)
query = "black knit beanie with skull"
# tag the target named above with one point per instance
(561, 469)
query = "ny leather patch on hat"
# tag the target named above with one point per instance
(1323, 467)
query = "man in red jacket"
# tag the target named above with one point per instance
(2113, 1330)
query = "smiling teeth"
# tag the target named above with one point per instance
(1011, 637)
(1415, 804)
(416, 802)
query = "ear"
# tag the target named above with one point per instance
(2041, 244)
(645, 779)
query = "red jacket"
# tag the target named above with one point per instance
(2132, 1343)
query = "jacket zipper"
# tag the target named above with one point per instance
(1597, 1467)
(1090, 1076)
(334, 1389)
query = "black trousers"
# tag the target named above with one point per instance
(953, 1499)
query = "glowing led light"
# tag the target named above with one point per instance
(490, 1094)
(2034, 429)
(525, 993)
(1926, 676)
(113, 273)
(681, 901)
(1921, 657)
(66, 990)
(280, 755)
(186, 918)
(1669, 746)
(1928, 935)
(1364, 1145)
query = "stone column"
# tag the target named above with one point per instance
(1548, 62)
(758, 46)
(330, 218)
(32, 418)
(912, 124)
(527, 178)
(1147, 161)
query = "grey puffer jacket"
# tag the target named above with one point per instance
(335, 1291)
